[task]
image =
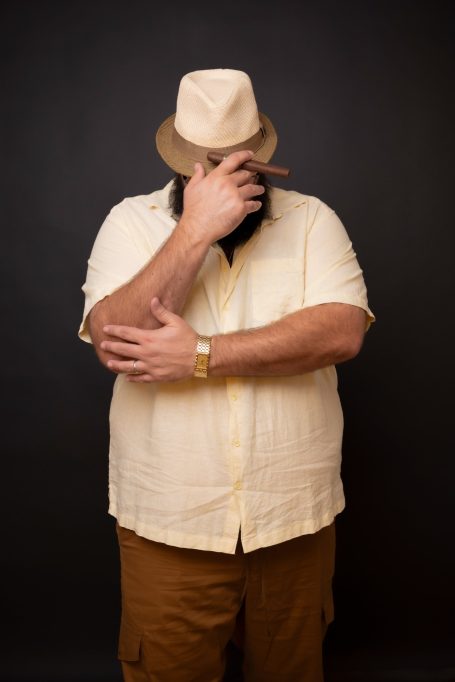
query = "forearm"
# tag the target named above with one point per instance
(302, 342)
(169, 276)
(214, 205)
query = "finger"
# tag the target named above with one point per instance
(233, 162)
(139, 378)
(161, 313)
(252, 206)
(123, 350)
(126, 366)
(132, 334)
(242, 177)
(250, 191)
(198, 175)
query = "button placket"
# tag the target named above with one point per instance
(232, 389)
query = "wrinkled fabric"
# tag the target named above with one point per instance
(192, 462)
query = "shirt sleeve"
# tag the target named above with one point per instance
(115, 259)
(332, 272)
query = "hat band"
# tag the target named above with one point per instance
(197, 153)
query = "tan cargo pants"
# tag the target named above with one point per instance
(180, 607)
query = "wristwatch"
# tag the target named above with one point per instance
(201, 363)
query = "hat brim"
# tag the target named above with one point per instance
(183, 160)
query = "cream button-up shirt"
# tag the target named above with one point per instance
(193, 462)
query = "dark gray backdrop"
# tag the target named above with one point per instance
(361, 95)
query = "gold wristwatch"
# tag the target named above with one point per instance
(201, 363)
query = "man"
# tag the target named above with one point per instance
(223, 304)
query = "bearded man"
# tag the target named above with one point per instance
(223, 305)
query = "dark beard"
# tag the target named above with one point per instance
(247, 227)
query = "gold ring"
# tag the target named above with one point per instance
(134, 370)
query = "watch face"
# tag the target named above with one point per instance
(202, 362)
(201, 366)
(202, 356)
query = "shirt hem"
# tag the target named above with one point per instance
(349, 300)
(224, 545)
(174, 538)
(307, 527)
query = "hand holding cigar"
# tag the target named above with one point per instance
(256, 166)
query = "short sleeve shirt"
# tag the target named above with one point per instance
(194, 462)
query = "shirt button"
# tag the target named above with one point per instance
(234, 396)
(238, 485)
(236, 443)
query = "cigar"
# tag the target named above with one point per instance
(256, 166)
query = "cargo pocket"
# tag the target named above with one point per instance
(129, 645)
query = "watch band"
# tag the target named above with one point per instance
(201, 363)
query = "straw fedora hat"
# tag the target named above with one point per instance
(216, 111)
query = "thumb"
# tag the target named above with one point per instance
(161, 313)
(199, 174)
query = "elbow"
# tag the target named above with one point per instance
(353, 335)
(102, 356)
(96, 323)
(351, 346)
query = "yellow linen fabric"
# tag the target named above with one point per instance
(192, 462)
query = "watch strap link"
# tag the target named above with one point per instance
(201, 363)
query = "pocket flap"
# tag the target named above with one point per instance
(129, 642)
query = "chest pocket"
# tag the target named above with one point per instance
(277, 287)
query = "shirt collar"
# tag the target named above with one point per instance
(160, 199)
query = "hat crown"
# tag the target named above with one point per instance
(216, 108)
